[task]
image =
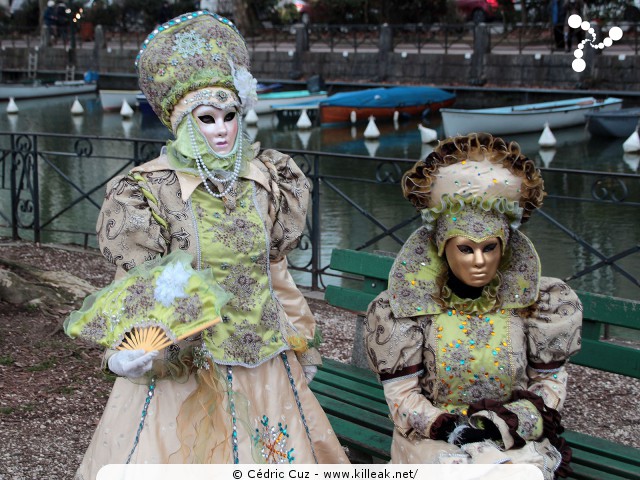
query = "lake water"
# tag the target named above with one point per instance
(607, 228)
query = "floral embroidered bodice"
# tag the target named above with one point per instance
(233, 243)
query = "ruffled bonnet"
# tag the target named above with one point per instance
(479, 187)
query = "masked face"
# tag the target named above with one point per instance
(475, 264)
(219, 127)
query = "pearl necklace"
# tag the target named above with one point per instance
(205, 173)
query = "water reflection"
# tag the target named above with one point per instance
(604, 228)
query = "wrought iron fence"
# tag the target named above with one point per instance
(51, 188)
(437, 37)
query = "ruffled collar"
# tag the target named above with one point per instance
(484, 303)
(415, 280)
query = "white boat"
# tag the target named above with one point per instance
(267, 101)
(38, 90)
(111, 100)
(524, 118)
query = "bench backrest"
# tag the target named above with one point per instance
(600, 311)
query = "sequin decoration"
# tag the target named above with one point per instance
(272, 442)
(143, 417)
(188, 43)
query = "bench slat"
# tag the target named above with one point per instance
(606, 467)
(373, 407)
(597, 445)
(617, 311)
(354, 415)
(361, 263)
(347, 298)
(608, 357)
(360, 438)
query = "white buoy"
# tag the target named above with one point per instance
(372, 147)
(252, 131)
(12, 107)
(13, 122)
(78, 121)
(425, 150)
(304, 137)
(126, 111)
(353, 116)
(632, 144)
(127, 123)
(354, 132)
(396, 116)
(632, 160)
(251, 118)
(372, 130)
(304, 122)
(428, 135)
(547, 139)
(76, 108)
(547, 155)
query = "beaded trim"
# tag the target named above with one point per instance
(179, 20)
(145, 408)
(285, 360)
(232, 409)
(205, 173)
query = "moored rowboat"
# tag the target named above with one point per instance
(524, 118)
(620, 123)
(40, 90)
(382, 103)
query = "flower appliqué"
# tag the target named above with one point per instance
(188, 43)
(272, 442)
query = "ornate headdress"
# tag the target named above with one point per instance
(476, 186)
(195, 59)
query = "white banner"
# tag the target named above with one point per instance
(319, 472)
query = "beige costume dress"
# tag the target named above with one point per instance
(241, 395)
(501, 357)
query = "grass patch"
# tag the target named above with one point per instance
(65, 390)
(7, 360)
(39, 367)
(7, 410)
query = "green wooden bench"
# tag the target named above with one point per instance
(354, 400)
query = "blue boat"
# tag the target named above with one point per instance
(381, 103)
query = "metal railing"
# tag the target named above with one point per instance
(418, 38)
(46, 178)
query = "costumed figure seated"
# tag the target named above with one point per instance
(470, 341)
(237, 391)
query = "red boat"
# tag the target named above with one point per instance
(381, 103)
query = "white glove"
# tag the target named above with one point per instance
(309, 372)
(131, 363)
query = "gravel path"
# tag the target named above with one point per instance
(52, 391)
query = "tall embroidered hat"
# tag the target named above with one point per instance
(475, 186)
(194, 59)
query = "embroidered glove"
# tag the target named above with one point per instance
(464, 434)
(309, 372)
(131, 363)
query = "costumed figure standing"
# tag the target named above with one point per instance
(236, 392)
(470, 341)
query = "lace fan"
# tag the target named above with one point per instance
(154, 305)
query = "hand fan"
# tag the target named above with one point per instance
(153, 306)
(155, 338)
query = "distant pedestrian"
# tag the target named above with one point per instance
(165, 13)
(50, 22)
(572, 7)
(558, 16)
(62, 22)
